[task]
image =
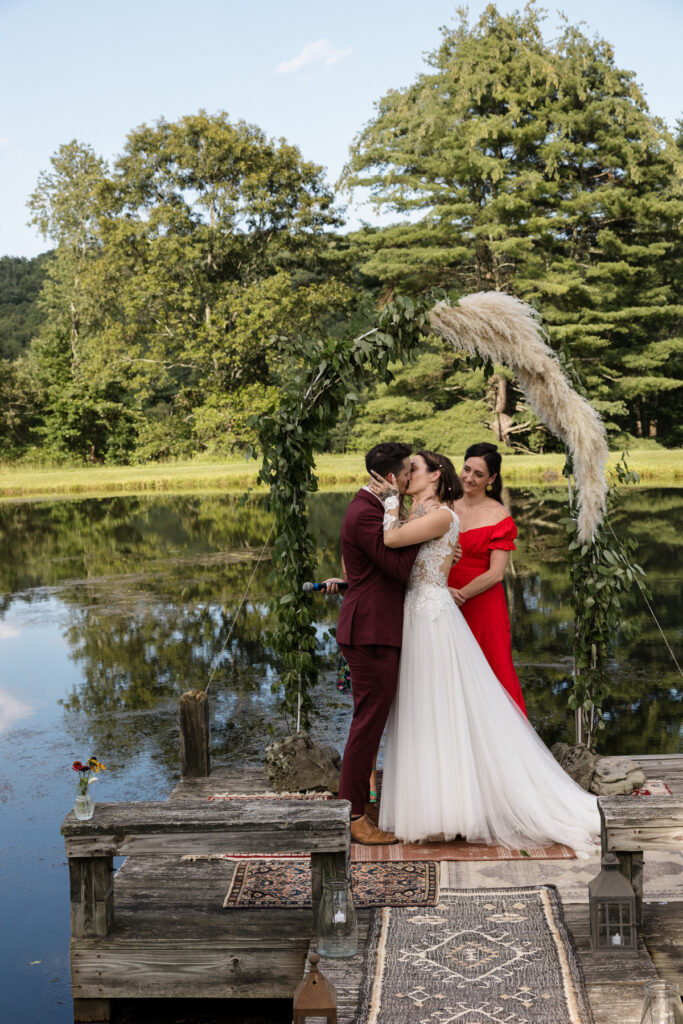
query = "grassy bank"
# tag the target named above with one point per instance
(656, 467)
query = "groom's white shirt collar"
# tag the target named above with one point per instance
(366, 488)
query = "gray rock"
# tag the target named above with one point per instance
(577, 760)
(616, 776)
(296, 765)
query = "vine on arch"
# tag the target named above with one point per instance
(323, 385)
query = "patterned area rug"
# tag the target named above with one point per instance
(457, 850)
(498, 956)
(287, 883)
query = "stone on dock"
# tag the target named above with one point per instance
(296, 765)
(577, 760)
(616, 776)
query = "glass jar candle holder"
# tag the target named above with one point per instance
(662, 1004)
(337, 925)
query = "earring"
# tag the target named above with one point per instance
(489, 488)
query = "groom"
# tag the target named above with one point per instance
(369, 630)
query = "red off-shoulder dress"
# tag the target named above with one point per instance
(487, 613)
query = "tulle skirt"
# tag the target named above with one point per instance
(461, 758)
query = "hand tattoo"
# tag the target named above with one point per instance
(387, 492)
(417, 511)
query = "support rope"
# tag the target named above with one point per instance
(239, 609)
(650, 608)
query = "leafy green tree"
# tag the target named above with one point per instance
(538, 169)
(213, 245)
(21, 280)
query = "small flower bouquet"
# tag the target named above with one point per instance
(87, 774)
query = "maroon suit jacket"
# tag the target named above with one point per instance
(372, 609)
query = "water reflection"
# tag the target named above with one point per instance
(148, 588)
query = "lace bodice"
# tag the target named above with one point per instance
(427, 589)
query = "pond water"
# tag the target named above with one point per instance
(110, 608)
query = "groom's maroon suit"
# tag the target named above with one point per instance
(369, 634)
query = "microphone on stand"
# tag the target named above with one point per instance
(308, 587)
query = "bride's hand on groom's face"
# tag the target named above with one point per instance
(381, 487)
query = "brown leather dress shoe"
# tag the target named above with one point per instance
(363, 831)
(372, 812)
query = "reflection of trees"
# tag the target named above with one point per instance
(153, 584)
(644, 710)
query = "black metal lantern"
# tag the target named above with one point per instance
(612, 905)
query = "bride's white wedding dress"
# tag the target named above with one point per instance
(460, 757)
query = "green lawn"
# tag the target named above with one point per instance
(334, 471)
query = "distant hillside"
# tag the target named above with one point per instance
(20, 282)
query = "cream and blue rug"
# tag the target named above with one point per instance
(494, 956)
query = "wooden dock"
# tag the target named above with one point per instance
(158, 896)
(615, 984)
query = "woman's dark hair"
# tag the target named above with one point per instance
(387, 458)
(492, 457)
(448, 488)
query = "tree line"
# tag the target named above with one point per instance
(187, 279)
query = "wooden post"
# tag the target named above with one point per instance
(193, 713)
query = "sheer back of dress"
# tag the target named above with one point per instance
(434, 559)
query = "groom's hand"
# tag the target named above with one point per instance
(380, 487)
(457, 553)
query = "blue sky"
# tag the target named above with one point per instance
(308, 70)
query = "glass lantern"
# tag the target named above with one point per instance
(612, 905)
(662, 1004)
(337, 926)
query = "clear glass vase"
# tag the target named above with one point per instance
(337, 926)
(662, 1004)
(84, 805)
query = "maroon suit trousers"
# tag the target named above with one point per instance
(374, 676)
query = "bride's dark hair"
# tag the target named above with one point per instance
(448, 487)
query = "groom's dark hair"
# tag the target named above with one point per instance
(387, 458)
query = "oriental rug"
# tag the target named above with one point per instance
(500, 956)
(287, 884)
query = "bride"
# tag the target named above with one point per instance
(460, 757)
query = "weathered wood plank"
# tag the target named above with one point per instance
(193, 719)
(641, 823)
(616, 1004)
(91, 884)
(244, 827)
(222, 780)
(663, 934)
(199, 969)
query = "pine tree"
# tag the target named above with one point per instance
(538, 170)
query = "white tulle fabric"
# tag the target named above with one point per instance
(460, 757)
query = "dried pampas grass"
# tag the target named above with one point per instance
(507, 330)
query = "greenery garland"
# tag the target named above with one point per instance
(325, 381)
(602, 574)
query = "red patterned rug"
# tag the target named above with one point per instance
(457, 850)
(287, 884)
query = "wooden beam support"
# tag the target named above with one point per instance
(88, 1010)
(91, 882)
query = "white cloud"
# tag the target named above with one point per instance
(319, 52)
(11, 710)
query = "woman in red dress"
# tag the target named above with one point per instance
(487, 536)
